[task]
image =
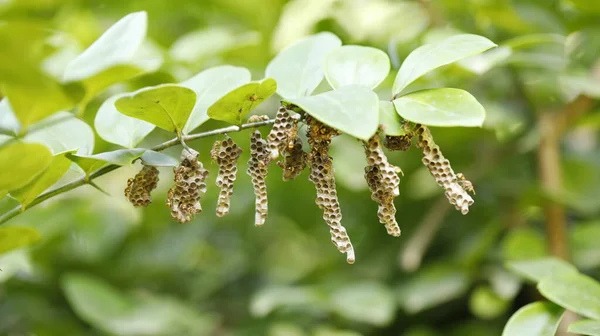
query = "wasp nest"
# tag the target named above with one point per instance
(283, 133)
(184, 196)
(294, 161)
(139, 187)
(319, 138)
(225, 153)
(454, 184)
(398, 143)
(384, 184)
(257, 169)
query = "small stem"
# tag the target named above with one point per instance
(107, 169)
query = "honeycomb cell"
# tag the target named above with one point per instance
(257, 169)
(283, 133)
(295, 160)
(226, 154)
(141, 185)
(184, 197)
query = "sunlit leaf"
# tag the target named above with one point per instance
(431, 56)
(298, 69)
(441, 107)
(192, 47)
(585, 327)
(210, 85)
(235, 105)
(15, 237)
(120, 157)
(367, 302)
(62, 132)
(535, 319)
(389, 119)
(524, 243)
(352, 109)
(8, 121)
(167, 106)
(353, 64)
(271, 298)
(485, 304)
(118, 128)
(57, 168)
(538, 269)
(158, 159)
(573, 291)
(20, 163)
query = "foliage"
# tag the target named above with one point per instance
(92, 89)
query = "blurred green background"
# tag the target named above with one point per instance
(105, 268)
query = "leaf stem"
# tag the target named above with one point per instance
(107, 169)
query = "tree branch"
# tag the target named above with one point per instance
(107, 169)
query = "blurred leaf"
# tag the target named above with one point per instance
(538, 269)
(298, 19)
(8, 120)
(285, 329)
(271, 298)
(20, 163)
(202, 44)
(587, 6)
(573, 291)
(352, 64)
(118, 128)
(485, 304)
(57, 168)
(484, 62)
(62, 132)
(370, 303)
(352, 109)
(210, 85)
(389, 119)
(574, 85)
(298, 69)
(432, 286)
(116, 46)
(523, 244)
(167, 106)
(158, 159)
(585, 327)
(15, 237)
(235, 105)
(441, 107)
(120, 157)
(432, 56)
(325, 331)
(535, 319)
(583, 241)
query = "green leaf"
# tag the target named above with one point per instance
(167, 106)
(270, 298)
(352, 64)
(441, 107)
(191, 47)
(389, 119)
(62, 132)
(210, 85)
(538, 269)
(298, 69)
(583, 240)
(535, 319)
(573, 291)
(235, 106)
(352, 109)
(15, 237)
(485, 304)
(20, 163)
(585, 327)
(118, 128)
(120, 157)
(58, 167)
(116, 46)
(524, 243)
(8, 121)
(369, 303)
(431, 56)
(158, 159)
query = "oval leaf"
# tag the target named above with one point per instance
(573, 291)
(157, 159)
(536, 270)
(58, 167)
(62, 132)
(14, 237)
(352, 109)
(353, 64)
(235, 106)
(167, 106)
(535, 319)
(118, 128)
(390, 120)
(298, 69)
(120, 157)
(116, 46)
(585, 327)
(434, 55)
(210, 85)
(367, 302)
(441, 107)
(8, 121)
(20, 163)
